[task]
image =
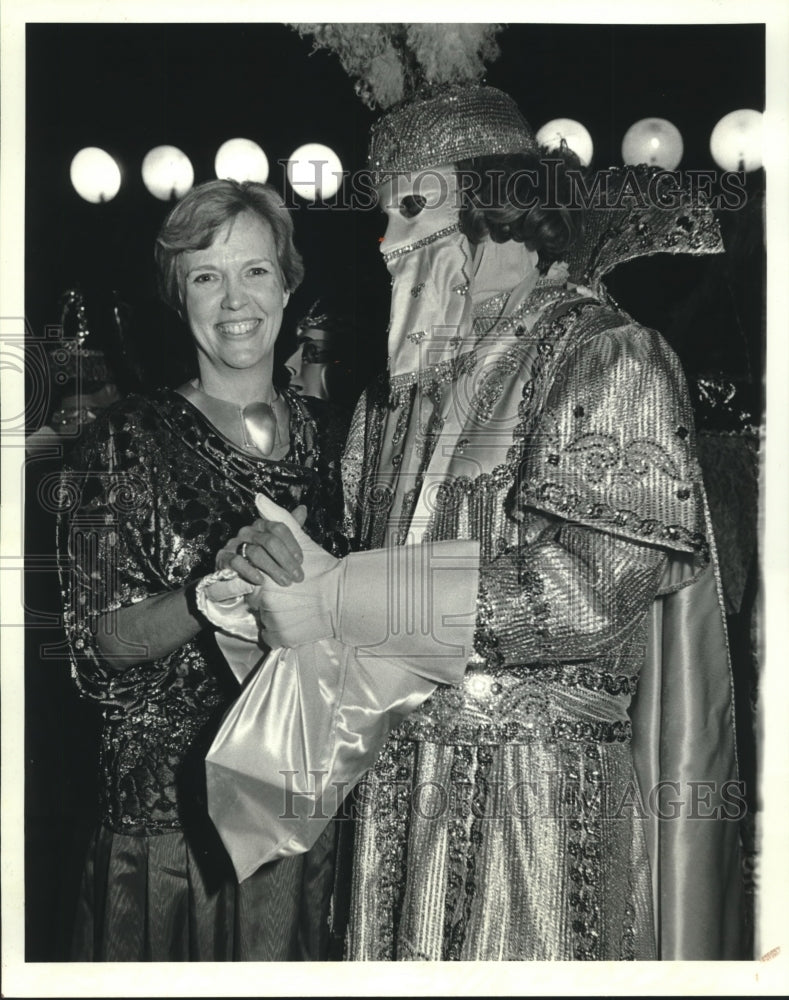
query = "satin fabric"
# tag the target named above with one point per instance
(683, 734)
(431, 283)
(312, 719)
(303, 731)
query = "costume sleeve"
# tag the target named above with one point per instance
(108, 542)
(608, 488)
(613, 445)
(571, 594)
(612, 512)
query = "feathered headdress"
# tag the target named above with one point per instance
(394, 62)
(427, 79)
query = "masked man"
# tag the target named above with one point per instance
(572, 792)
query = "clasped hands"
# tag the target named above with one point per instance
(415, 602)
(291, 584)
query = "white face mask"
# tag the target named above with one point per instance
(417, 206)
(430, 263)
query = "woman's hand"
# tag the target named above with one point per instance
(264, 549)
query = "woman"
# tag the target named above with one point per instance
(535, 809)
(158, 486)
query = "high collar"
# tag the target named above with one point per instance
(500, 267)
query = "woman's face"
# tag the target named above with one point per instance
(234, 295)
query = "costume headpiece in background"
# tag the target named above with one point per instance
(75, 365)
(319, 317)
(89, 368)
(320, 365)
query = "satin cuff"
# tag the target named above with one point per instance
(220, 598)
(306, 727)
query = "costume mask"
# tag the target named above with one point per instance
(430, 263)
(308, 363)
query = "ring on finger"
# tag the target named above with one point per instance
(242, 550)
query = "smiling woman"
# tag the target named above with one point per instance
(235, 295)
(159, 485)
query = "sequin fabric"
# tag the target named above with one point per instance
(638, 211)
(457, 123)
(151, 495)
(519, 831)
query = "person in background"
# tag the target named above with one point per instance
(83, 374)
(319, 366)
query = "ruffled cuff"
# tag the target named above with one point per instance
(221, 598)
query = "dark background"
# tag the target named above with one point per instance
(127, 88)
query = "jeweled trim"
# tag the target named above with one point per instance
(395, 770)
(513, 732)
(556, 497)
(584, 853)
(424, 242)
(466, 835)
(425, 378)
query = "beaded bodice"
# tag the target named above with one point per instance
(153, 492)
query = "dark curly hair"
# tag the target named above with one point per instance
(521, 197)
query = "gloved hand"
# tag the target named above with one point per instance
(305, 611)
(230, 602)
(414, 602)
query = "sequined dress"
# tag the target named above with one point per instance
(507, 819)
(153, 492)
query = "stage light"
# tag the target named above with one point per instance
(653, 141)
(241, 160)
(314, 171)
(573, 134)
(167, 172)
(95, 175)
(736, 141)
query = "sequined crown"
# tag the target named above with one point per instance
(457, 123)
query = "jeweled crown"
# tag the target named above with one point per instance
(458, 123)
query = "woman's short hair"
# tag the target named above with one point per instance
(522, 197)
(199, 215)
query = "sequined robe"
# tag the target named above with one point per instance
(150, 496)
(515, 817)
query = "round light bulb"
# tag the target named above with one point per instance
(314, 171)
(736, 141)
(573, 134)
(167, 172)
(95, 175)
(653, 141)
(241, 160)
